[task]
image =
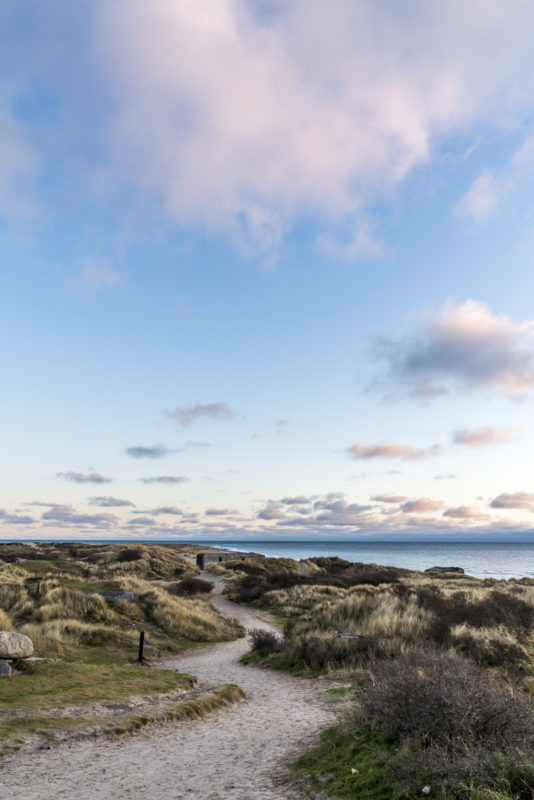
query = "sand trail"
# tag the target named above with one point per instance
(240, 753)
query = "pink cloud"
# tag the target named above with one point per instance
(242, 119)
(463, 346)
(521, 500)
(480, 437)
(464, 512)
(405, 452)
(388, 497)
(421, 505)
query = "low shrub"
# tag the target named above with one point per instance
(488, 647)
(263, 641)
(130, 554)
(467, 735)
(491, 610)
(440, 699)
(190, 587)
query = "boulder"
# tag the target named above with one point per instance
(5, 669)
(445, 569)
(15, 645)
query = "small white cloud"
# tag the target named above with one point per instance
(97, 275)
(484, 436)
(482, 199)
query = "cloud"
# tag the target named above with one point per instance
(298, 500)
(98, 276)
(244, 117)
(16, 519)
(481, 200)
(166, 479)
(281, 426)
(481, 437)
(109, 502)
(462, 347)
(172, 510)
(142, 521)
(272, 510)
(185, 415)
(420, 506)
(67, 514)
(361, 242)
(218, 512)
(521, 500)
(156, 451)
(449, 476)
(387, 497)
(464, 512)
(405, 452)
(79, 477)
(18, 162)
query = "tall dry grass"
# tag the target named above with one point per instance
(188, 618)
(5, 622)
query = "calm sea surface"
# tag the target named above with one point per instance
(483, 560)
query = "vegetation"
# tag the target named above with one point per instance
(441, 672)
(90, 643)
(16, 729)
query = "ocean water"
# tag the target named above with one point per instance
(481, 559)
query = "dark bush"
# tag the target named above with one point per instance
(319, 654)
(189, 587)
(130, 554)
(438, 699)
(490, 652)
(371, 577)
(248, 588)
(499, 608)
(263, 641)
(332, 564)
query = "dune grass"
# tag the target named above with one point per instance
(441, 674)
(91, 645)
(14, 732)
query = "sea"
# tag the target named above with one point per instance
(501, 560)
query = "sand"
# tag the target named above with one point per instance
(240, 753)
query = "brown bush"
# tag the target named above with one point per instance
(190, 587)
(498, 608)
(263, 642)
(438, 699)
(130, 554)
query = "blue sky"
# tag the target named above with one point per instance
(267, 269)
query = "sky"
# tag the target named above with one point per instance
(267, 269)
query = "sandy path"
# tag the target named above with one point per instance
(237, 754)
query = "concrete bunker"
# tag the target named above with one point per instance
(204, 560)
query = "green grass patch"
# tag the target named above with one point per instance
(347, 763)
(14, 732)
(38, 566)
(87, 586)
(59, 684)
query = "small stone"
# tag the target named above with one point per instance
(5, 669)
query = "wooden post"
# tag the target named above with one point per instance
(141, 645)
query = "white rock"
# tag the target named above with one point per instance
(15, 645)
